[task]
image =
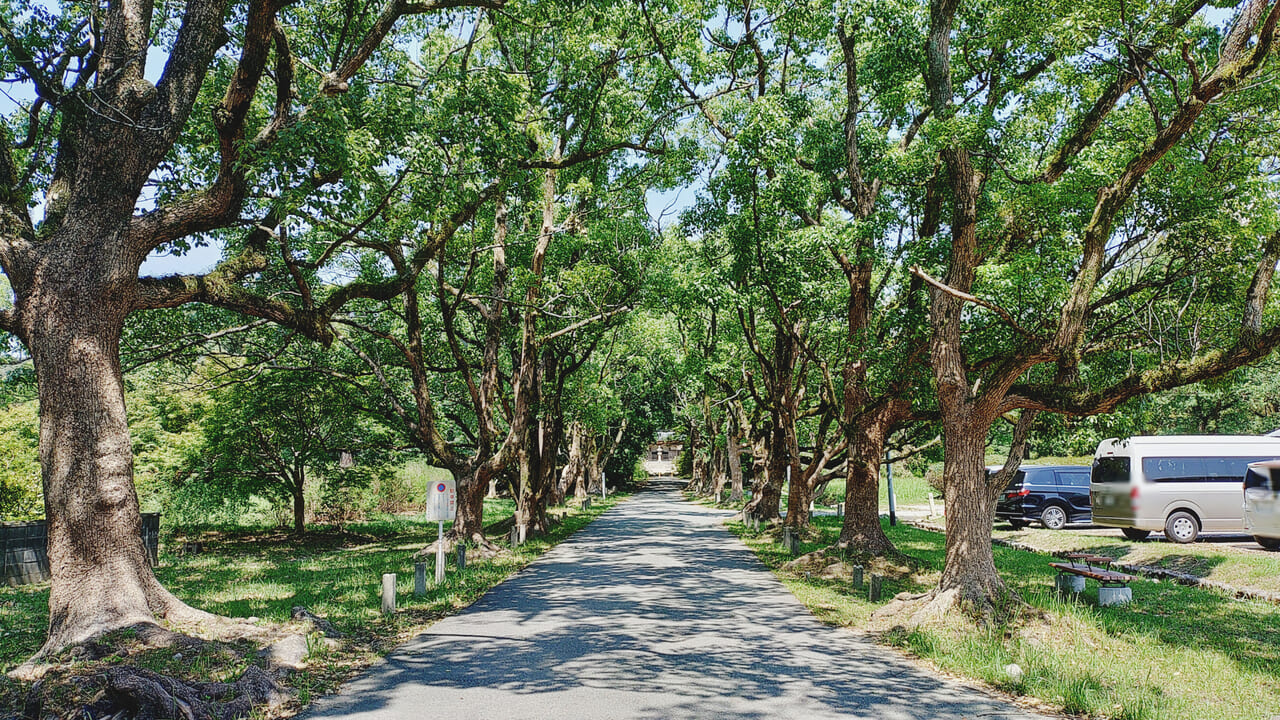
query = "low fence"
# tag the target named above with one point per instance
(25, 547)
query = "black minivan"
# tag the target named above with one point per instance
(1053, 495)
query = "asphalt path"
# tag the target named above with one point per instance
(653, 611)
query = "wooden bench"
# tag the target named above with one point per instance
(1113, 587)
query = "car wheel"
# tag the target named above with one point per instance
(1182, 527)
(1135, 533)
(1053, 518)
(1269, 543)
(1017, 524)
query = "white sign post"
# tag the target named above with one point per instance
(442, 506)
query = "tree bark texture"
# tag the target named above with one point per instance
(101, 578)
(861, 530)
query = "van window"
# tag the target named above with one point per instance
(1073, 479)
(1195, 469)
(1111, 470)
(1173, 469)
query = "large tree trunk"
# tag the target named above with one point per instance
(468, 524)
(861, 530)
(571, 477)
(969, 575)
(733, 451)
(767, 502)
(101, 578)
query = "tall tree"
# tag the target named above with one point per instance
(125, 165)
(1118, 234)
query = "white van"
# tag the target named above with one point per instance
(1262, 503)
(1179, 484)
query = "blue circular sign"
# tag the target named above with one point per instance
(440, 487)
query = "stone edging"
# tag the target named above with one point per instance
(1144, 570)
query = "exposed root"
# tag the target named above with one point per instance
(944, 607)
(148, 671)
(147, 695)
(478, 546)
(833, 563)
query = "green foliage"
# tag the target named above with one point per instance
(265, 434)
(21, 491)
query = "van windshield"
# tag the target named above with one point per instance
(1110, 470)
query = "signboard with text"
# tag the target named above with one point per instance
(442, 500)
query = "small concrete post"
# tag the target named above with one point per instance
(839, 510)
(856, 572)
(1110, 596)
(1070, 584)
(932, 510)
(462, 556)
(419, 579)
(388, 593)
(873, 590)
(788, 540)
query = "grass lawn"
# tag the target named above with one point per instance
(335, 575)
(1177, 653)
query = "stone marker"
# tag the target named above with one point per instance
(873, 590)
(790, 540)
(840, 510)
(519, 533)
(419, 579)
(856, 575)
(462, 557)
(388, 593)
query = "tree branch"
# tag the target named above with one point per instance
(337, 81)
(583, 323)
(967, 297)
(1106, 102)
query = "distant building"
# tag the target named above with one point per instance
(663, 451)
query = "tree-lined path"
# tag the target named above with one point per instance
(653, 611)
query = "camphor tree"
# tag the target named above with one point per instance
(1096, 173)
(163, 126)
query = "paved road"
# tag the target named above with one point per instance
(653, 611)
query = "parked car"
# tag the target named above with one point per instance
(1262, 503)
(1179, 484)
(1052, 495)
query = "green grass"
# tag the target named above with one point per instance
(265, 573)
(1177, 653)
(908, 489)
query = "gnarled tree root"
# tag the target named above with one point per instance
(146, 695)
(943, 607)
